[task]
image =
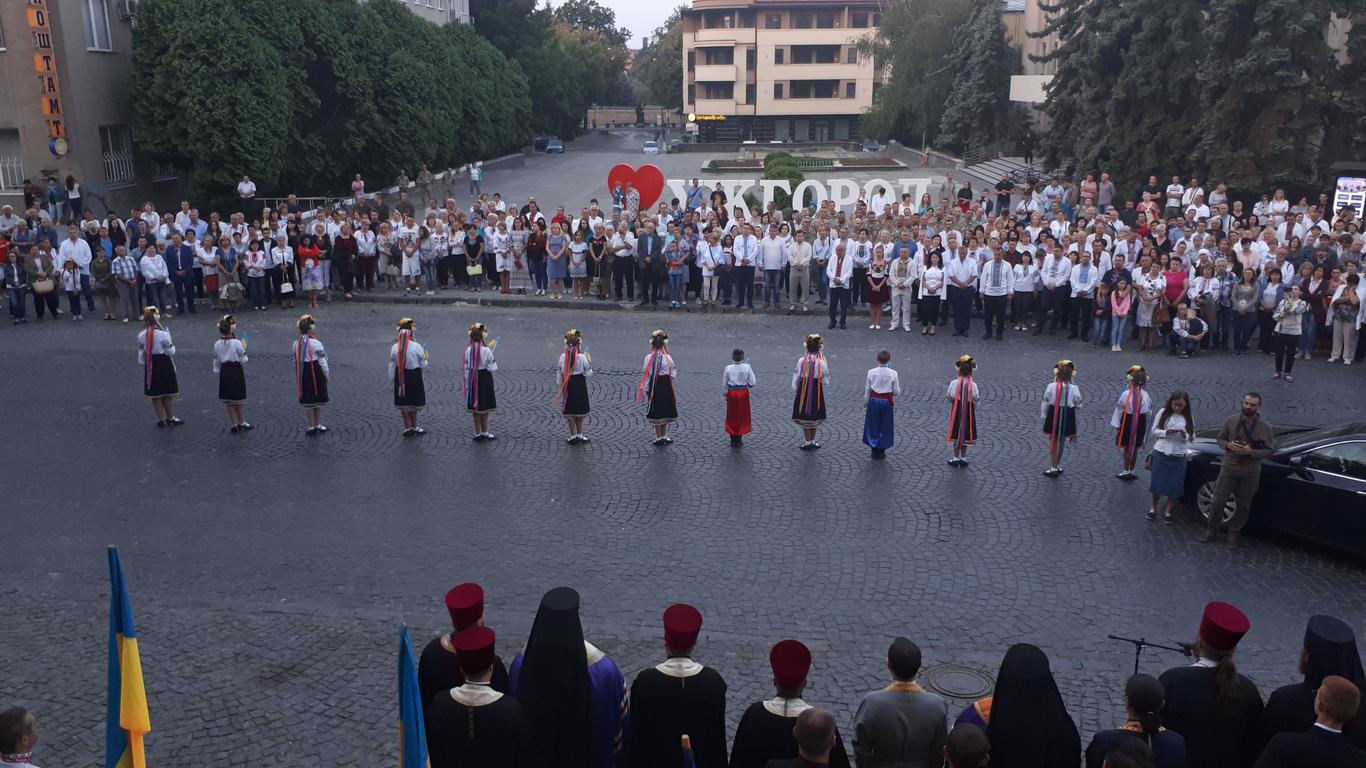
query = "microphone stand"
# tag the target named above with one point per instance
(1140, 644)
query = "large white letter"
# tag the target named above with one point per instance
(680, 189)
(817, 187)
(735, 189)
(768, 186)
(844, 192)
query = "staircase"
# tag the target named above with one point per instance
(989, 171)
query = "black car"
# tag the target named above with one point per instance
(1313, 486)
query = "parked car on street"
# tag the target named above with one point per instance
(554, 146)
(652, 147)
(1313, 486)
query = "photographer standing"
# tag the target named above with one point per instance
(1246, 440)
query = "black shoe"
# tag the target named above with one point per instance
(843, 327)
(832, 325)
(986, 335)
(735, 441)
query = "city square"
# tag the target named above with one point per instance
(967, 160)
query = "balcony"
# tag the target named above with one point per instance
(724, 35)
(833, 106)
(836, 36)
(836, 71)
(718, 107)
(714, 73)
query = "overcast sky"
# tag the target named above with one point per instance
(640, 16)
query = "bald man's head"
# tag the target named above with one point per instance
(815, 733)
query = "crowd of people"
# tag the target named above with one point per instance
(1172, 267)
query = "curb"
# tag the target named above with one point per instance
(496, 301)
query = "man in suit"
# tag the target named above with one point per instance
(180, 257)
(650, 252)
(1322, 746)
(815, 735)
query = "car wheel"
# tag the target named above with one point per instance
(1204, 499)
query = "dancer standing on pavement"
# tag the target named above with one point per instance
(574, 368)
(1130, 419)
(229, 354)
(407, 358)
(883, 385)
(809, 382)
(155, 353)
(311, 374)
(1059, 413)
(738, 379)
(657, 386)
(480, 399)
(962, 396)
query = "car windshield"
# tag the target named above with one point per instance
(649, 144)
(1297, 440)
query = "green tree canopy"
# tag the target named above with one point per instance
(977, 109)
(914, 40)
(592, 16)
(659, 67)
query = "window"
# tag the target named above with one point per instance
(852, 55)
(777, 90)
(692, 60)
(749, 59)
(2, 35)
(164, 171)
(850, 89)
(692, 93)
(749, 93)
(746, 20)
(1347, 459)
(815, 89)
(718, 56)
(777, 55)
(877, 95)
(116, 147)
(815, 54)
(773, 21)
(11, 160)
(95, 20)
(724, 91)
(825, 21)
(859, 20)
(801, 21)
(877, 19)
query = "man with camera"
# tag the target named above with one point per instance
(1246, 440)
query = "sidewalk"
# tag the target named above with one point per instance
(491, 298)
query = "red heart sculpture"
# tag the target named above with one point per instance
(647, 179)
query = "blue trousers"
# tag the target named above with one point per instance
(184, 293)
(773, 294)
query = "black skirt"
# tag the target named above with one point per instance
(232, 383)
(312, 385)
(482, 399)
(414, 396)
(1069, 422)
(1132, 429)
(163, 382)
(576, 396)
(663, 404)
(810, 414)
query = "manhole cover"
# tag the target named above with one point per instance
(958, 682)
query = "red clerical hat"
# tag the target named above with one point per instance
(791, 661)
(682, 622)
(466, 604)
(1223, 626)
(474, 650)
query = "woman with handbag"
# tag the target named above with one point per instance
(1173, 428)
(474, 256)
(42, 279)
(536, 254)
(1289, 318)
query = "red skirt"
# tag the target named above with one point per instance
(737, 412)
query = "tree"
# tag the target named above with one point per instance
(1127, 92)
(977, 109)
(659, 65)
(912, 42)
(1268, 123)
(589, 15)
(511, 25)
(219, 132)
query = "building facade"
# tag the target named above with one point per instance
(64, 68)
(778, 70)
(440, 11)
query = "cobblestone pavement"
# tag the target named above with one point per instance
(269, 571)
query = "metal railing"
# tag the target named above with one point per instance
(11, 173)
(119, 170)
(990, 151)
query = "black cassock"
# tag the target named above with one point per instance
(663, 708)
(1290, 709)
(763, 736)
(1213, 739)
(1315, 748)
(437, 671)
(494, 735)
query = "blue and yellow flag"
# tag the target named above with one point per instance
(126, 720)
(412, 735)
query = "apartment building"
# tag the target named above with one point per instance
(440, 11)
(785, 70)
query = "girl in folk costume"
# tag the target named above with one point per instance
(155, 353)
(738, 379)
(1059, 413)
(1130, 419)
(657, 386)
(883, 385)
(574, 368)
(407, 358)
(229, 354)
(962, 396)
(809, 382)
(311, 373)
(480, 399)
